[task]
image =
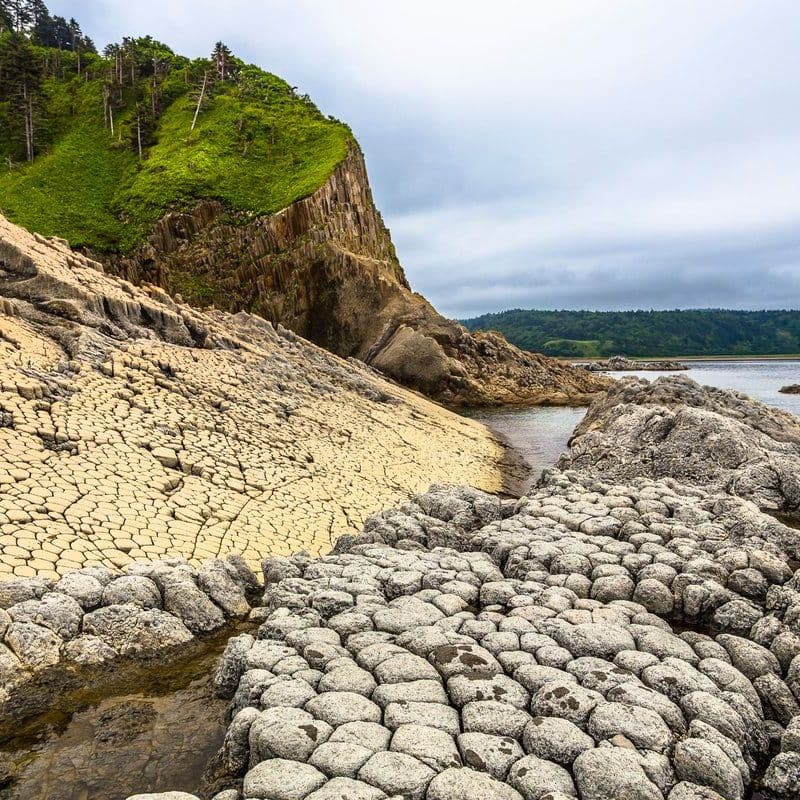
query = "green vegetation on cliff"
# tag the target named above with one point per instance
(96, 148)
(697, 332)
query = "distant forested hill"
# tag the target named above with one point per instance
(698, 332)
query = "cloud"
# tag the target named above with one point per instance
(572, 154)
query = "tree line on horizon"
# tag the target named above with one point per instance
(695, 332)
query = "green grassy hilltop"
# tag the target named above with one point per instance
(113, 147)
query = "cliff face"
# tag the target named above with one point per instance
(326, 268)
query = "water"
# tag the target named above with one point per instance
(539, 435)
(158, 734)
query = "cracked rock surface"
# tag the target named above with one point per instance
(132, 427)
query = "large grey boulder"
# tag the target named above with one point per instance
(673, 427)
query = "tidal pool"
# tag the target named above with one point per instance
(159, 735)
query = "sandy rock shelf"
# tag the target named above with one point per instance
(134, 428)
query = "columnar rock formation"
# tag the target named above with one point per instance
(706, 436)
(466, 647)
(132, 427)
(326, 268)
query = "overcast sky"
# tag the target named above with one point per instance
(559, 154)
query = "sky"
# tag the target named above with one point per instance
(560, 154)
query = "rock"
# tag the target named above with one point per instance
(215, 578)
(555, 739)
(704, 763)
(59, 612)
(612, 773)
(397, 774)
(713, 438)
(592, 639)
(19, 590)
(338, 708)
(459, 784)
(492, 716)
(431, 746)
(621, 364)
(86, 589)
(782, 777)
(34, 645)
(134, 590)
(565, 700)
(183, 599)
(133, 631)
(282, 779)
(232, 664)
(89, 651)
(534, 778)
(286, 733)
(645, 728)
(691, 791)
(339, 788)
(488, 753)
(164, 796)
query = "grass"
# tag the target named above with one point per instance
(257, 150)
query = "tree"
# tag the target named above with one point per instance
(20, 81)
(202, 96)
(20, 14)
(6, 20)
(222, 58)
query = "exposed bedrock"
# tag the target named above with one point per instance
(709, 437)
(325, 267)
(135, 427)
(465, 647)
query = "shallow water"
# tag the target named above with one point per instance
(154, 740)
(540, 435)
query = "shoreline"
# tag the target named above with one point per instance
(593, 359)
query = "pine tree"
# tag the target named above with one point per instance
(222, 58)
(20, 81)
(6, 20)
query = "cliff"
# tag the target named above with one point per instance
(326, 268)
(257, 202)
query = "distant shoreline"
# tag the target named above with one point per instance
(780, 357)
